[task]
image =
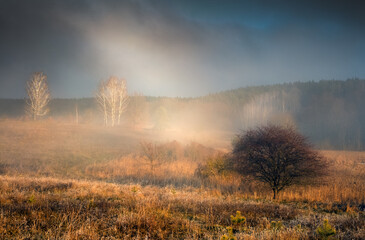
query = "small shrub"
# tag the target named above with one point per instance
(31, 199)
(230, 235)
(134, 189)
(276, 226)
(325, 231)
(238, 220)
(217, 165)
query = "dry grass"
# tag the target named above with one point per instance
(68, 209)
(57, 148)
(345, 183)
(67, 181)
(135, 169)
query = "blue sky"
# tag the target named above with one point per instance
(178, 48)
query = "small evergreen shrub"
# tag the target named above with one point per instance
(276, 226)
(238, 220)
(230, 235)
(326, 231)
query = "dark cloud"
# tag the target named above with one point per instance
(178, 48)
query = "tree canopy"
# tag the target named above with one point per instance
(277, 156)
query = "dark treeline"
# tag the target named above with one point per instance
(330, 112)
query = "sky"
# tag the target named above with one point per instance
(177, 48)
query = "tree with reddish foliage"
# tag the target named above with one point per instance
(277, 156)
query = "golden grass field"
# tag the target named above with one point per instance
(60, 180)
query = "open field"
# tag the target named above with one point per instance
(182, 119)
(66, 181)
(34, 208)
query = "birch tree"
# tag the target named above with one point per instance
(38, 96)
(123, 99)
(101, 97)
(112, 97)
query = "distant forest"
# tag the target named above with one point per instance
(330, 112)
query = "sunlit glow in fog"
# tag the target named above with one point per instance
(171, 48)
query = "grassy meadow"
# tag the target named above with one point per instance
(61, 180)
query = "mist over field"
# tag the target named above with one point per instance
(178, 119)
(330, 113)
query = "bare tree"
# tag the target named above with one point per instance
(154, 153)
(112, 97)
(123, 98)
(277, 156)
(101, 97)
(38, 96)
(268, 107)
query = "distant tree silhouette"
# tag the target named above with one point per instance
(277, 156)
(155, 154)
(137, 109)
(38, 96)
(161, 118)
